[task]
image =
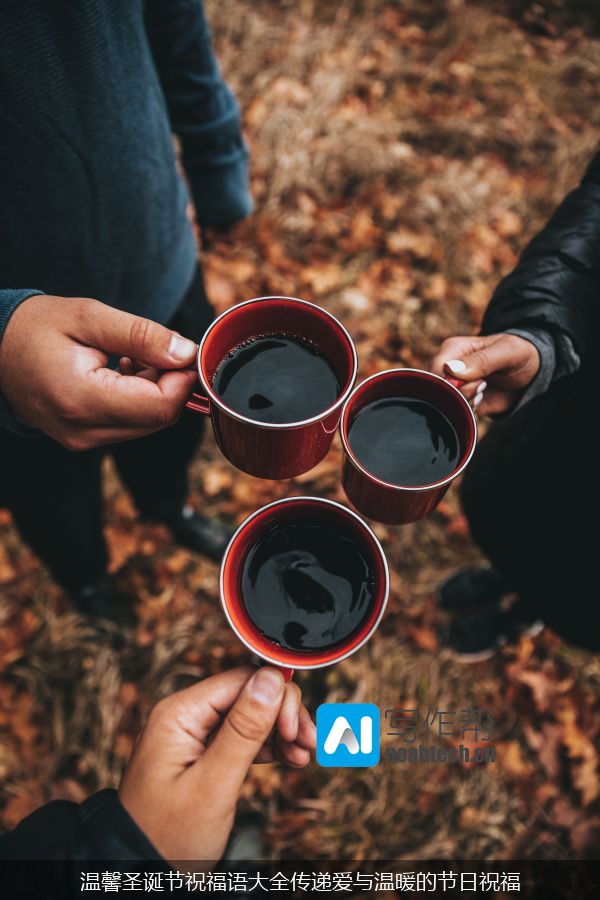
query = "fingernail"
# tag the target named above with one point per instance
(456, 365)
(477, 400)
(267, 685)
(181, 349)
(481, 387)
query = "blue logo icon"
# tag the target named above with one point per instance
(347, 734)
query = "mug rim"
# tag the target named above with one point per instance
(214, 398)
(376, 543)
(417, 488)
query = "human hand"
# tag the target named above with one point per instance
(185, 775)
(53, 358)
(494, 369)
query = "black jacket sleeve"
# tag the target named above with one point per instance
(98, 829)
(556, 284)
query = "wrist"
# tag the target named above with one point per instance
(221, 194)
(543, 341)
(10, 300)
(11, 311)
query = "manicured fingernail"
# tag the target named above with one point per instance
(267, 685)
(477, 400)
(181, 349)
(481, 387)
(456, 365)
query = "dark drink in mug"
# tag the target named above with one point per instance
(307, 584)
(405, 441)
(276, 378)
(304, 582)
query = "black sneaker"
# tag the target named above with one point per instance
(471, 589)
(208, 537)
(99, 600)
(478, 636)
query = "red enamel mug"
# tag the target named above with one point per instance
(263, 449)
(295, 509)
(396, 504)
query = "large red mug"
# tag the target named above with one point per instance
(264, 449)
(396, 504)
(295, 509)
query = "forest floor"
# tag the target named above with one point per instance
(402, 154)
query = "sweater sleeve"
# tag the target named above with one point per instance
(555, 286)
(203, 111)
(98, 829)
(9, 300)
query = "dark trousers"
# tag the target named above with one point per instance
(55, 496)
(530, 495)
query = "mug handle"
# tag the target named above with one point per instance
(199, 403)
(287, 673)
(455, 382)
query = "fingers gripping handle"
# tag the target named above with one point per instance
(198, 403)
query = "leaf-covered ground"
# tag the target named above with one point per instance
(402, 154)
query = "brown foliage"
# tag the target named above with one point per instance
(402, 154)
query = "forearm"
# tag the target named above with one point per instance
(556, 283)
(203, 111)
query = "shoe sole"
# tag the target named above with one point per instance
(534, 629)
(531, 631)
(481, 656)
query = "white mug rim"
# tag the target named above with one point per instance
(377, 544)
(419, 488)
(214, 398)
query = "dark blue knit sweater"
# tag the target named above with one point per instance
(91, 203)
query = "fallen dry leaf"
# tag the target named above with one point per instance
(581, 751)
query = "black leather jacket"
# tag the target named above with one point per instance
(556, 284)
(44, 856)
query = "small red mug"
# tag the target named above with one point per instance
(396, 504)
(263, 449)
(296, 508)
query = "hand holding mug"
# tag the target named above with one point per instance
(53, 371)
(184, 778)
(494, 369)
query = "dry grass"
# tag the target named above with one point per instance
(401, 153)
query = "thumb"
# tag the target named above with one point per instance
(123, 334)
(245, 730)
(489, 357)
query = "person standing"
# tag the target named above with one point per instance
(93, 206)
(530, 493)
